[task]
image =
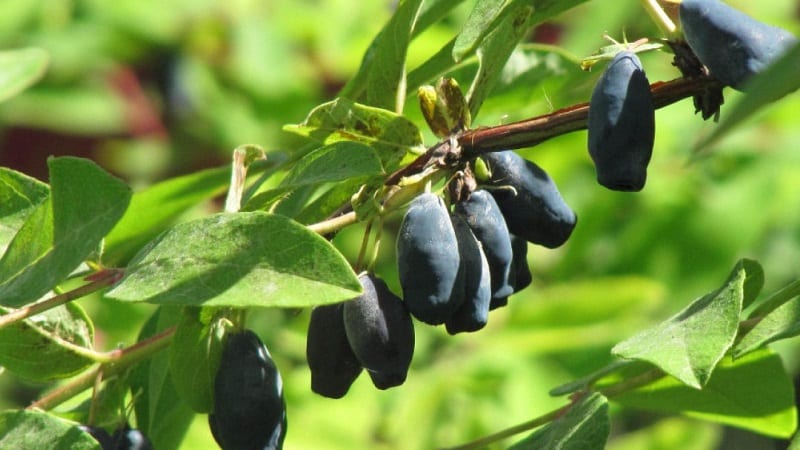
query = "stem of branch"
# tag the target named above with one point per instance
(98, 283)
(119, 361)
(508, 432)
(334, 223)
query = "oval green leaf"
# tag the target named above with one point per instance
(239, 260)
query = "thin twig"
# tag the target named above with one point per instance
(97, 283)
(119, 361)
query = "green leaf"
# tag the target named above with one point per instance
(19, 197)
(381, 76)
(585, 426)
(160, 413)
(494, 50)
(753, 392)
(25, 430)
(49, 345)
(331, 200)
(194, 357)
(478, 24)
(389, 134)
(239, 260)
(158, 206)
(336, 162)
(690, 344)
(386, 86)
(778, 80)
(781, 323)
(775, 300)
(19, 69)
(107, 404)
(84, 205)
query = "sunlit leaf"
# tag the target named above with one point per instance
(240, 260)
(690, 344)
(753, 392)
(84, 205)
(19, 196)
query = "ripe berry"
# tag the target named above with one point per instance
(622, 124)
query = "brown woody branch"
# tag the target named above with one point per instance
(533, 131)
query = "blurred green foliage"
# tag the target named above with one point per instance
(154, 89)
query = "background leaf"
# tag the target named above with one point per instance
(241, 260)
(585, 426)
(20, 69)
(86, 202)
(690, 344)
(25, 430)
(753, 392)
(48, 346)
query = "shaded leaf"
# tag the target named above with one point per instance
(753, 392)
(778, 80)
(160, 413)
(158, 206)
(84, 205)
(194, 358)
(26, 430)
(389, 134)
(19, 196)
(584, 426)
(19, 69)
(49, 345)
(239, 260)
(690, 344)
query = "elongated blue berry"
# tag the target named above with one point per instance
(733, 45)
(622, 124)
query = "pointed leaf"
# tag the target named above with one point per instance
(49, 345)
(690, 344)
(753, 392)
(20, 69)
(239, 260)
(160, 413)
(585, 426)
(781, 323)
(389, 134)
(157, 207)
(19, 196)
(85, 203)
(38, 430)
